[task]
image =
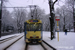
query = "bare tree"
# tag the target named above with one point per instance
(70, 7)
(65, 17)
(20, 17)
(47, 23)
(6, 19)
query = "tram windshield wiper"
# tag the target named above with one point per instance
(36, 29)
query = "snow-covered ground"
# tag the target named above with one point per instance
(7, 43)
(7, 36)
(71, 30)
(66, 42)
(19, 45)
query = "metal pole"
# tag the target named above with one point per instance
(15, 7)
(58, 35)
(58, 32)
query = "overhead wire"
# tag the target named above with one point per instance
(43, 2)
(14, 7)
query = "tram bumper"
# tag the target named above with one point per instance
(34, 40)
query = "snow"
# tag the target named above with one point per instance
(5, 44)
(35, 47)
(66, 42)
(47, 47)
(19, 45)
(7, 36)
(72, 30)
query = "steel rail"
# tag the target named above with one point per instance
(49, 45)
(7, 39)
(43, 46)
(12, 43)
(26, 47)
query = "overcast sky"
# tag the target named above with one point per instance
(43, 4)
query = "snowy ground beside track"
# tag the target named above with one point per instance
(7, 43)
(7, 36)
(66, 42)
(19, 45)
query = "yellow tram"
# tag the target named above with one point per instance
(33, 31)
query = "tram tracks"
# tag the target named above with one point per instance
(26, 47)
(7, 39)
(29, 46)
(48, 45)
(13, 43)
(42, 45)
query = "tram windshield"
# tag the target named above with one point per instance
(33, 27)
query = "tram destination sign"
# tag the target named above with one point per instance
(33, 20)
